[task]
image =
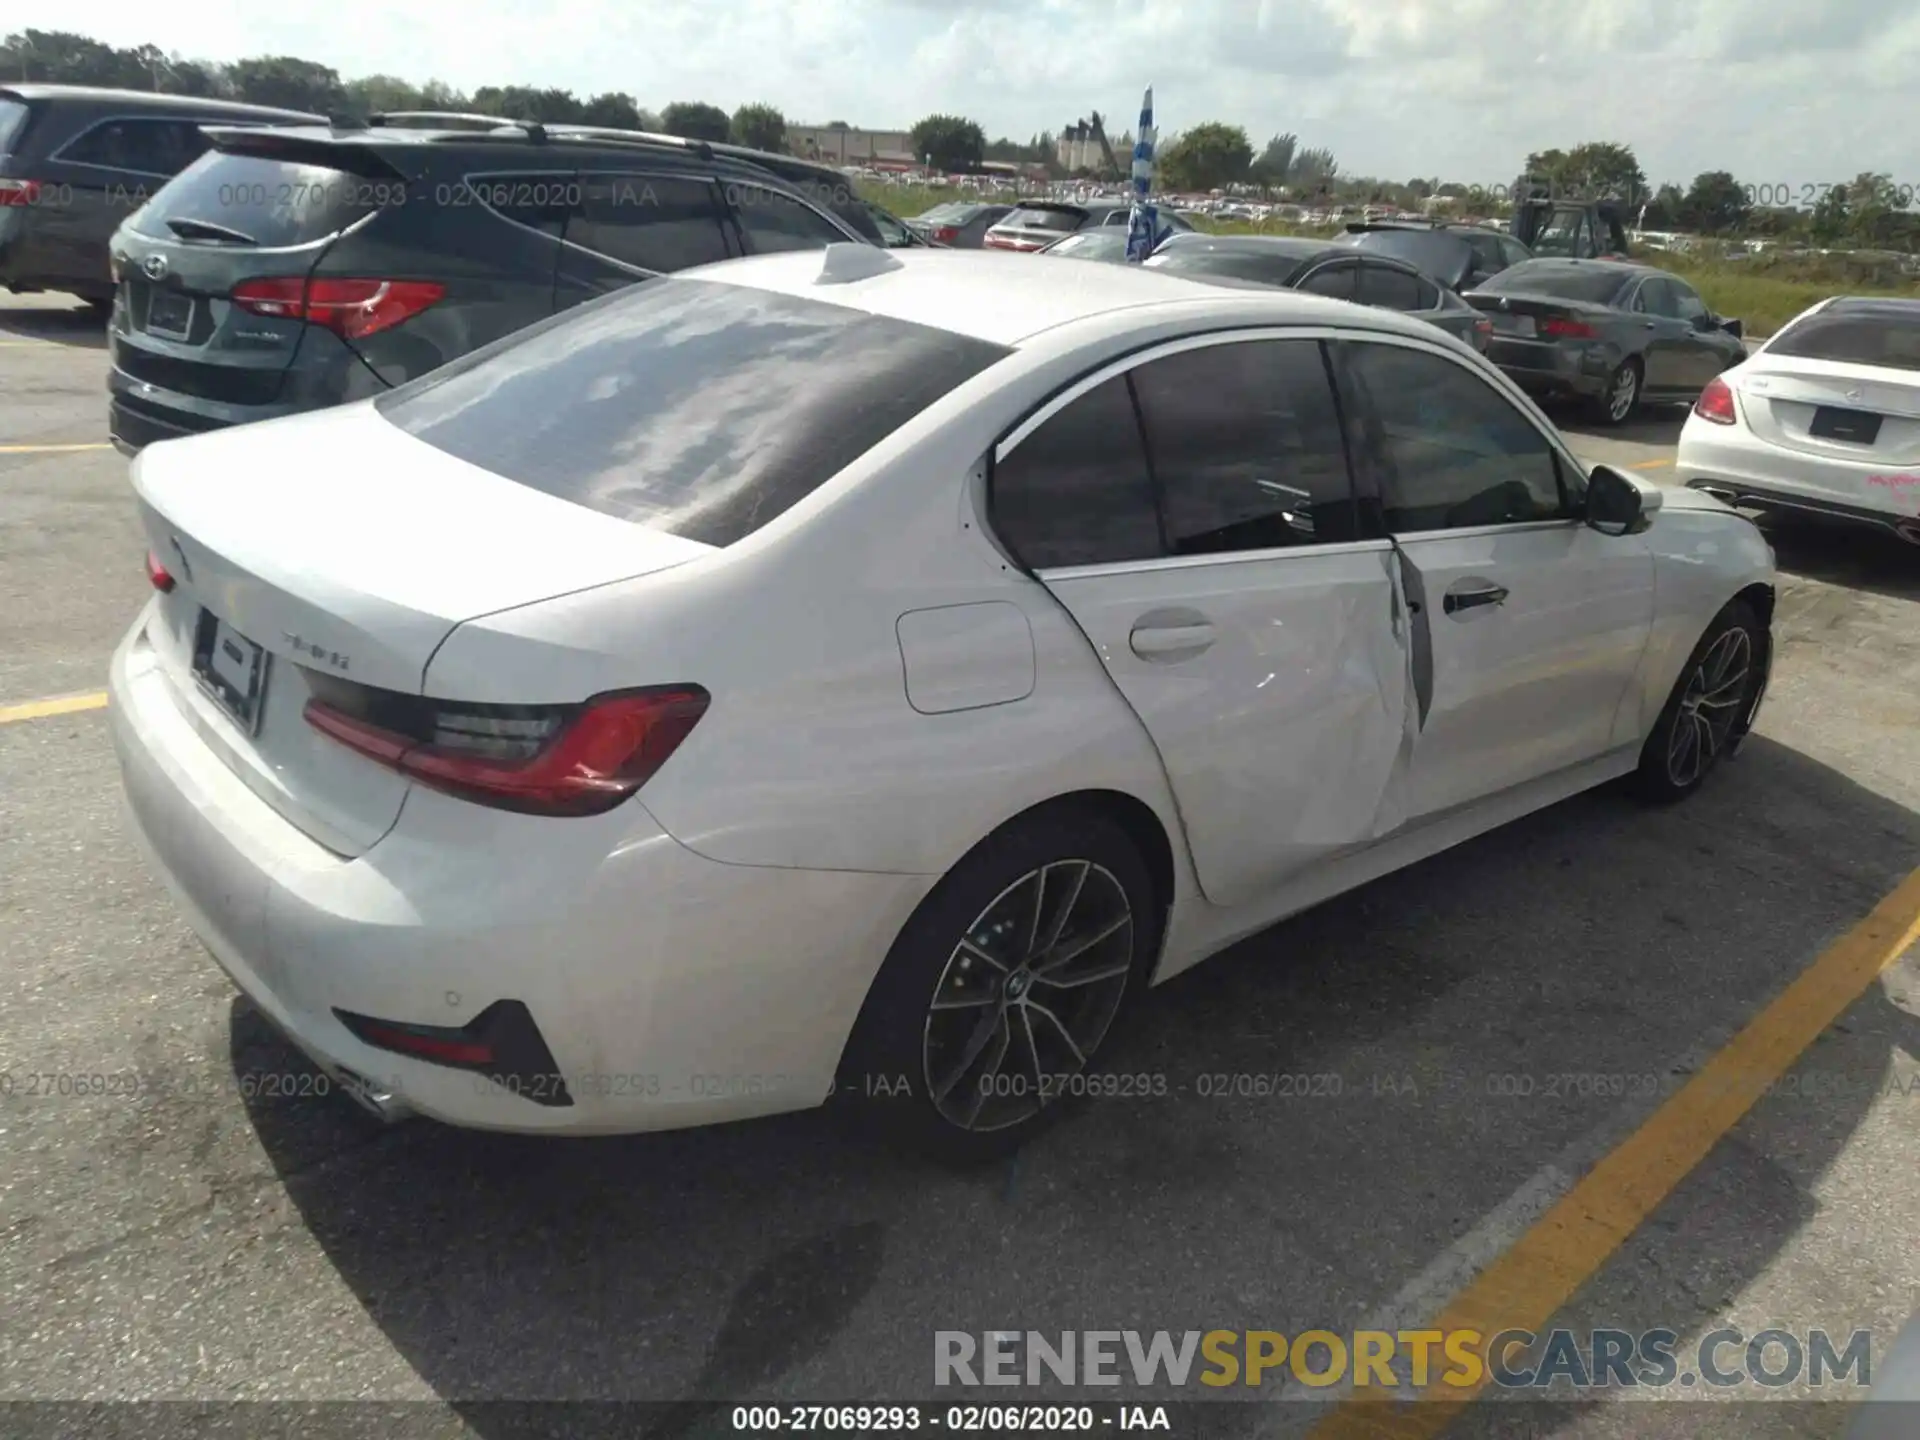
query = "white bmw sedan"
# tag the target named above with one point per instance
(870, 673)
(1823, 419)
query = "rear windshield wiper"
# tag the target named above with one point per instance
(189, 229)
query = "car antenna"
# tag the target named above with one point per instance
(536, 132)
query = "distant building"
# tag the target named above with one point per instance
(880, 149)
(1077, 147)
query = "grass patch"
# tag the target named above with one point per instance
(1762, 293)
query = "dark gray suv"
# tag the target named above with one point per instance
(301, 267)
(76, 161)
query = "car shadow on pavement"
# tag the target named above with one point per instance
(776, 1260)
(1854, 557)
(1651, 424)
(73, 324)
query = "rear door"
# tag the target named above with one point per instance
(234, 218)
(103, 174)
(1257, 634)
(1708, 349)
(1529, 623)
(630, 225)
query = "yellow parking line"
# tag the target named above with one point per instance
(54, 449)
(1528, 1285)
(1650, 465)
(59, 705)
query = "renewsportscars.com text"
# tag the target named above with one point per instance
(1411, 1360)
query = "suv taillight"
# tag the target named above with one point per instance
(350, 308)
(1716, 403)
(19, 192)
(536, 759)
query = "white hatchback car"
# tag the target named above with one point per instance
(1822, 419)
(870, 672)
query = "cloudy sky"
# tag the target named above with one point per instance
(1785, 92)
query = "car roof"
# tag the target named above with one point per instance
(1009, 299)
(33, 92)
(1623, 268)
(1890, 306)
(1297, 247)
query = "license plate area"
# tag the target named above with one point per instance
(231, 669)
(1513, 325)
(1855, 427)
(169, 314)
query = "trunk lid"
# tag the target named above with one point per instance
(347, 550)
(267, 208)
(1523, 314)
(1781, 399)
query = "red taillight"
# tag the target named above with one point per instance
(19, 192)
(351, 308)
(428, 1047)
(579, 766)
(1716, 403)
(157, 573)
(1563, 329)
(947, 234)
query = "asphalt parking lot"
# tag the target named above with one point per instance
(201, 1243)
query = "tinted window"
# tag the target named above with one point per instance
(1454, 451)
(544, 201)
(657, 223)
(700, 409)
(773, 221)
(1515, 252)
(13, 123)
(1389, 289)
(1091, 245)
(1657, 297)
(1688, 305)
(1077, 490)
(271, 202)
(1565, 279)
(146, 147)
(1333, 280)
(1226, 264)
(1488, 256)
(1044, 218)
(1885, 338)
(1246, 447)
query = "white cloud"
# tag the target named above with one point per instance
(1785, 91)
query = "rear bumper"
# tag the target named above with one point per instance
(671, 990)
(1548, 370)
(1736, 466)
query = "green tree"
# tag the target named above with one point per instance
(64, 58)
(955, 143)
(760, 127)
(1597, 169)
(1313, 172)
(1665, 208)
(524, 102)
(373, 94)
(614, 110)
(696, 120)
(289, 82)
(1210, 156)
(1274, 163)
(1832, 216)
(1873, 206)
(1715, 203)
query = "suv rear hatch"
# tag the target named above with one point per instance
(346, 551)
(1034, 227)
(212, 272)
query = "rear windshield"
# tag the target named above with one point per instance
(1443, 257)
(1861, 338)
(1045, 217)
(1559, 278)
(13, 122)
(697, 408)
(269, 202)
(1091, 245)
(1227, 264)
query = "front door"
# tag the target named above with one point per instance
(1210, 551)
(1530, 624)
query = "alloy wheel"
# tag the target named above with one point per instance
(1708, 707)
(1626, 389)
(1028, 994)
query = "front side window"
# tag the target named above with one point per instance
(1388, 288)
(1077, 491)
(1246, 447)
(1451, 451)
(773, 222)
(699, 408)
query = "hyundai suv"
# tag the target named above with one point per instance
(306, 266)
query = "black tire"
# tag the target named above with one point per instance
(906, 1076)
(100, 307)
(1622, 397)
(1709, 700)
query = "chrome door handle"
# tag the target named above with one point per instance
(1157, 642)
(1470, 599)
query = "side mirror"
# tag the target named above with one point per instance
(1617, 503)
(1734, 328)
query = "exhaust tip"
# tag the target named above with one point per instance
(1908, 530)
(376, 1099)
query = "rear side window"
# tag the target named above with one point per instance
(1388, 288)
(773, 222)
(656, 223)
(269, 202)
(1563, 279)
(697, 408)
(1077, 490)
(143, 147)
(14, 115)
(1858, 338)
(1246, 447)
(1334, 281)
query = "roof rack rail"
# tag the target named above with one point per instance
(631, 137)
(438, 119)
(346, 122)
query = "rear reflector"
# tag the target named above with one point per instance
(158, 575)
(1565, 329)
(19, 192)
(1716, 403)
(350, 308)
(501, 1042)
(537, 760)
